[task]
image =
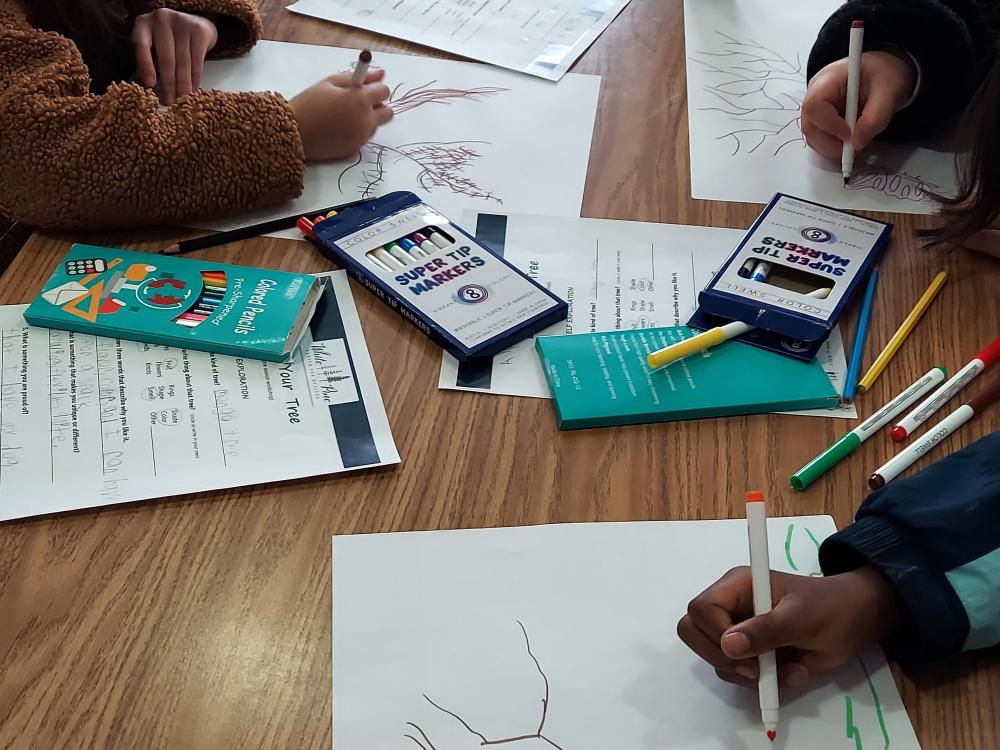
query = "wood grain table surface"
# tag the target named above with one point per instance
(204, 621)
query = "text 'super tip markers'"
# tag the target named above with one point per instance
(850, 442)
(760, 574)
(854, 49)
(361, 70)
(942, 395)
(913, 453)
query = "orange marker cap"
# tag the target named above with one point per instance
(755, 496)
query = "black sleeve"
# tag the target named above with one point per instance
(951, 40)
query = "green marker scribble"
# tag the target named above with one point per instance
(788, 548)
(814, 539)
(878, 703)
(853, 733)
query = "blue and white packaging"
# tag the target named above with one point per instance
(469, 300)
(805, 246)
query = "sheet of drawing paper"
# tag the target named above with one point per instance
(540, 37)
(746, 77)
(90, 421)
(564, 636)
(614, 275)
(464, 135)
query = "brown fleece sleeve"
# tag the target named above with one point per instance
(237, 21)
(69, 158)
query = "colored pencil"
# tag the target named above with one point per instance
(903, 332)
(860, 334)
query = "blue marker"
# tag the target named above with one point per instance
(761, 271)
(864, 318)
(411, 247)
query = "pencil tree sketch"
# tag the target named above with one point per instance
(537, 732)
(437, 164)
(759, 91)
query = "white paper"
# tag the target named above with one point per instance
(464, 135)
(615, 275)
(746, 77)
(426, 617)
(88, 421)
(543, 38)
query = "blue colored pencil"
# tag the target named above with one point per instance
(864, 318)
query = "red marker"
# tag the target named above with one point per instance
(760, 577)
(943, 395)
(306, 227)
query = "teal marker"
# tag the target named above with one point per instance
(850, 442)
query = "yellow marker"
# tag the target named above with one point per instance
(331, 213)
(708, 339)
(904, 330)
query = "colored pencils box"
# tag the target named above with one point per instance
(603, 379)
(218, 307)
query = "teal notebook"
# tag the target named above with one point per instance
(194, 304)
(602, 379)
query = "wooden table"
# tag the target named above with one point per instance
(204, 622)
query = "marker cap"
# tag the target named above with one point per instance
(825, 461)
(755, 496)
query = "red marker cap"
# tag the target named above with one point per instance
(755, 496)
(898, 433)
(857, 24)
(306, 227)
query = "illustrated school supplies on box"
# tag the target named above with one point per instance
(794, 249)
(217, 307)
(602, 379)
(466, 298)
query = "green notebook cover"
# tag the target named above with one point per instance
(602, 379)
(182, 302)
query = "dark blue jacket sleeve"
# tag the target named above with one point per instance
(951, 40)
(936, 537)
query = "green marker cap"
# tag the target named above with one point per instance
(825, 461)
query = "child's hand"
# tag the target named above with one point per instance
(887, 82)
(180, 42)
(817, 624)
(336, 119)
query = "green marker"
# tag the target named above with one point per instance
(850, 442)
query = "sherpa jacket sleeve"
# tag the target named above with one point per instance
(950, 40)
(935, 536)
(70, 158)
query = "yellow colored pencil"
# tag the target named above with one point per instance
(904, 330)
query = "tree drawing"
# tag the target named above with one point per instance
(758, 89)
(438, 164)
(538, 733)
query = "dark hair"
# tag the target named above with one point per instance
(977, 203)
(101, 30)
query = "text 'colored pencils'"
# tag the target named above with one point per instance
(910, 455)
(904, 330)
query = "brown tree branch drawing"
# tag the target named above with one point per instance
(438, 164)
(424, 742)
(756, 87)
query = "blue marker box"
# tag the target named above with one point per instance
(805, 247)
(456, 290)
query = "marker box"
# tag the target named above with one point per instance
(808, 247)
(469, 300)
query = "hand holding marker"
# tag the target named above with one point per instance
(361, 69)
(760, 574)
(855, 48)
(853, 439)
(942, 395)
(909, 456)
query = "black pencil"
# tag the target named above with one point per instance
(254, 230)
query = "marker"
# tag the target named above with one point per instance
(850, 442)
(708, 339)
(942, 395)
(854, 50)
(909, 456)
(425, 244)
(436, 236)
(361, 69)
(860, 334)
(761, 272)
(903, 332)
(397, 252)
(410, 247)
(306, 227)
(760, 576)
(386, 258)
(747, 268)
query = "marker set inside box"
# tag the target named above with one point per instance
(465, 297)
(792, 275)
